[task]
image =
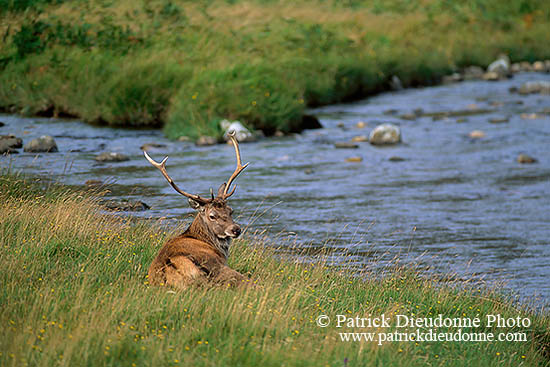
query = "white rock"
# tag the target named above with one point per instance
(500, 66)
(242, 134)
(385, 134)
(45, 143)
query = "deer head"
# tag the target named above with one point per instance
(214, 215)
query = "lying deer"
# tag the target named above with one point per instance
(200, 253)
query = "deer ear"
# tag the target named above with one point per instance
(220, 190)
(195, 204)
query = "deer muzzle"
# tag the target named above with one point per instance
(233, 231)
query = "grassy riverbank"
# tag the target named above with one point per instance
(74, 292)
(186, 65)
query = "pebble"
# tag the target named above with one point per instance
(396, 159)
(476, 134)
(360, 139)
(346, 146)
(524, 158)
(498, 120)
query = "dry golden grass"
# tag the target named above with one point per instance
(74, 292)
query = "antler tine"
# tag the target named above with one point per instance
(239, 168)
(162, 168)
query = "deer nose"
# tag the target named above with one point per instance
(236, 231)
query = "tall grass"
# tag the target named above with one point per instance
(186, 65)
(75, 292)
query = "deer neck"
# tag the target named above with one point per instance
(200, 231)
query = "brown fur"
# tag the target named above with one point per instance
(200, 253)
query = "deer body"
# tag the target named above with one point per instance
(199, 255)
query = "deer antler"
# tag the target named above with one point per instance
(238, 170)
(162, 168)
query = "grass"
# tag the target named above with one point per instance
(74, 292)
(185, 65)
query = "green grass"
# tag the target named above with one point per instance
(75, 293)
(185, 65)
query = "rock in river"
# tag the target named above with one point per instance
(542, 87)
(126, 205)
(476, 134)
(346, 146)
(111, 157)
(8, 144)
(524, 158)
(360, 139)
(43, 144)
(242, 134)
(501, 66)
(206, 140)
(149, 146)
(498, 120)
(385, 134)
(396, 159)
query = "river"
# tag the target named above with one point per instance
(454, 203)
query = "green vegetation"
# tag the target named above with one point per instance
(185, 65)
(75, 293)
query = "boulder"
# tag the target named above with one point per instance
(500, 66)
(385, 134)
(112, 157)
(542, 87)
(2, 124)
(242, 134)
(472, 73)
(8, 144)
(395, 83)
(539, 66)
(43, 144)
(361, 125)
(310, 122)
(515, 68)
(525, 66)
(491, 76)
(524, 158)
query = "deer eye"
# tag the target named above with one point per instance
(212, 216)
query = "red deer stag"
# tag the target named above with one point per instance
(200, 253)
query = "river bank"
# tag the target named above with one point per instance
(186, 66)
(75, 292)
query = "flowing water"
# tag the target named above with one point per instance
(454, 203)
